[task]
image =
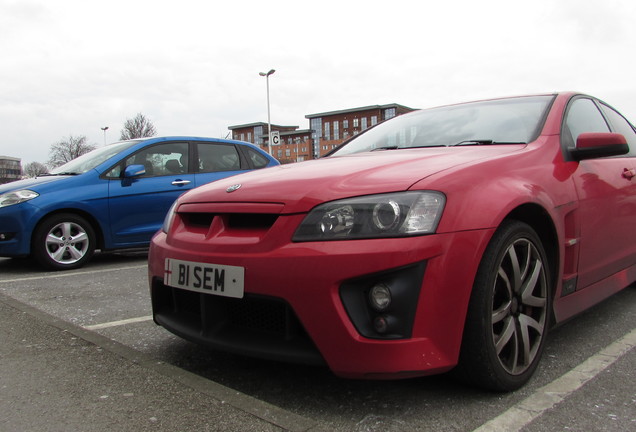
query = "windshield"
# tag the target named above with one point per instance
(503, 121)
(91, 159)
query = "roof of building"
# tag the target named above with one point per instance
(10, 158)
(248, 125)
(351, 110)
(296, 132)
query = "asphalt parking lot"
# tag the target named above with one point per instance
(80, 352)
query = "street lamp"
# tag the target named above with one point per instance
(105, 128)
(269, 121)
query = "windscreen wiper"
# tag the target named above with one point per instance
(386, 148)
(472, 142)
(395, 147)
(481, 142)
(59, 174)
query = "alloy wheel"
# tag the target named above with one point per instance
(519, 306)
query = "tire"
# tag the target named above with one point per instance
(508, 314)
(63, 242)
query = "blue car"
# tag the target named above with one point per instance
(115, 197)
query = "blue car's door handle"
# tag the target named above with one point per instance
(181, 182)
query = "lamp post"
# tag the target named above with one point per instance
(105, 128)
(269, 121)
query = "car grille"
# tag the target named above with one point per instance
(233, 221)
(258, 326)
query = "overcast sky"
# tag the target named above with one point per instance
(71, 67)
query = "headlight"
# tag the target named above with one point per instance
(16, 197)
(167, 221)
(374, 216)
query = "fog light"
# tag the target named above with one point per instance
(384, 324)
(381, 324)
(6, 236)
(380, 297)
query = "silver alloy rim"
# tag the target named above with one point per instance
(519, 306)
(67, 243)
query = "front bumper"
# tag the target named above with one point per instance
(15, 229)
(300, 285)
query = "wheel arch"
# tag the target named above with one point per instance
(540, 220)
(474, 362)
(99, 234)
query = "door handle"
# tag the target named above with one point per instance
(180, 182)
(629, 173)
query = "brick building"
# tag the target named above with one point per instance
(334, 127)
(326, 131)
(294, 143)
(10, 169)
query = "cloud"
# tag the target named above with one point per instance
(192, 66)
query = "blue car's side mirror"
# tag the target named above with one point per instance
(134, 171)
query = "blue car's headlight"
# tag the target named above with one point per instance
(374, 216)
(16, 197)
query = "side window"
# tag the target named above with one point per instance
(257, 159)
(159, 160)
(582, 116)
(218, 157)
(621, 126)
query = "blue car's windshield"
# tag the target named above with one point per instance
(90, 160)
(503, 121)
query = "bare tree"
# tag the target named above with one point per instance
(138, 127)
(34, 169)
(68, 149)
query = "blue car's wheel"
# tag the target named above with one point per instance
(63, 241)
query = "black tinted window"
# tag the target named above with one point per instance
(218, 157)
(257, 159)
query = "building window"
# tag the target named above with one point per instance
(327, 132)
(242, 137)
(364, 123)
(374, 120)
(356, 122)
(316, 127)
(249, 137)
(258, 135)
(336, 130)
(345, 124)
(389, 113)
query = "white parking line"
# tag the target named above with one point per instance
(65, 274)
(547, 397)
(118, 323)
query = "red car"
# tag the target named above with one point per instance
(447, 238)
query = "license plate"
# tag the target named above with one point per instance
(221, 280)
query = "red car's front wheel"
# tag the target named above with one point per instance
(509, 311)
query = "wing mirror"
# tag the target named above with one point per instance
(599, 145)
(134, 171)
